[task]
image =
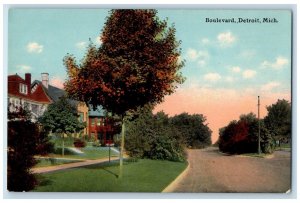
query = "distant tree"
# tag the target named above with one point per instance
(22, 146)
(61, 118)
(249, 118)
(278, 120)
(195, 132)
(242, 136)
(137, 64)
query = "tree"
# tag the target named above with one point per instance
(153, 136)
(242, 136)
(278, 120)
(61, 117)
(22, 146)
(137, 64)
(195, 133)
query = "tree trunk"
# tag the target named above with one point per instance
(63, 145)
(122, 148)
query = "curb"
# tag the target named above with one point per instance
(170, 188)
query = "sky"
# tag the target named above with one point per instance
(227, 65)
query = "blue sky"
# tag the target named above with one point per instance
(225, 62)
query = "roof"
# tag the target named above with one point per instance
(39, 95)
(98, 112)
(55, 93)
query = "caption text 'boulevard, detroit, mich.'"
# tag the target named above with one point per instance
(241, 20)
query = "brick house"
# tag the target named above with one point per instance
(100, 126)
(36, 96)
(22, 94)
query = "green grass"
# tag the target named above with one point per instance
(89, 153)
(43, 162)
(141, 176)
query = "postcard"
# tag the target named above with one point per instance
(156, 100)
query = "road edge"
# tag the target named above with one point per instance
(170, 188)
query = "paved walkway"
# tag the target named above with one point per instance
(210, 171)
(49, 169)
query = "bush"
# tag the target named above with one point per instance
(79, 143)
(242, 136)
(96, 143)
(152, 136)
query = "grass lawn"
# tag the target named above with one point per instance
(89, 153)
(141, 176)
(43, 162)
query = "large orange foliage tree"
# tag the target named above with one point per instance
(137, 63)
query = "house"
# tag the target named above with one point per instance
(55, 93)
(36, 96)
(100, 126)
(22, 94)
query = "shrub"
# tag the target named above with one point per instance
(96, 143)
(152, 136)
(21, 150)
(79, 143)
(242, 136)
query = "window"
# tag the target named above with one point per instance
(81, 114)
(92, 121)
(98, 121)
(23, 88)
(34, 88)
(35, 108)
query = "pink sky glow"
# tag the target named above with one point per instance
(219, 106)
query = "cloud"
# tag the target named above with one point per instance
(81, 45)
(192, 54)
(200, 56)
(34, 47)
(249, 73)
(213, 77)
(235, 69)
(98, 40)
(279, 63)
(229, 79)
(269, 86)
(23, 68)
(56, 81)
(226, 39)
(247, 54)
(205, 41)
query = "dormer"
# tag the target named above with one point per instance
(23, 89)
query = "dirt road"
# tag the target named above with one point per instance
(211, 171)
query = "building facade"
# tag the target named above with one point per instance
(22, 94)
(100, 126)
(37, 95)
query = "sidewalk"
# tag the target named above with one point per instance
(49, 169)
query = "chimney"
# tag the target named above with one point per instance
(45, 79)
(28, 78)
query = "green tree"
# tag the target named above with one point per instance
(137, 64)
(278, 120)
(61, 118)
(22, 139)
(153, 136)
(195, 132)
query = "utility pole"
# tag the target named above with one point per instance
(258, 105)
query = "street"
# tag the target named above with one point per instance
(211, 171)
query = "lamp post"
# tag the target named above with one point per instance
(258, 105)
